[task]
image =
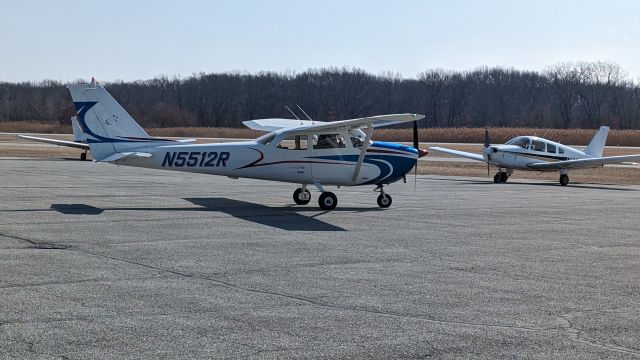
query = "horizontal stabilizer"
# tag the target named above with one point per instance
(464, 154)
(119, 156)
(72, 144)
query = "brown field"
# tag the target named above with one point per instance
(435, 135)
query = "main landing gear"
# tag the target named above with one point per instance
(329, 200)
(501, 177)
(564, 179)
(83, 156)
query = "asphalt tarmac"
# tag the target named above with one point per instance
(100, 261)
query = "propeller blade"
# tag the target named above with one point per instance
(416, 145)
(486, 137)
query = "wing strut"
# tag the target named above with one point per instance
(365, 145)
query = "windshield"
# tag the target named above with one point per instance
(522, 142)
(266, 138)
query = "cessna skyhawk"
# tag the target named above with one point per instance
(338, 153)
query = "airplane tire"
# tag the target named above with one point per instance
(504, 177)
(300, 201)
(496, 178)
(384, 200)
(564, 180)
(328, 201)
(83, 156)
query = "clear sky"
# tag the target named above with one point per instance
(128, 40)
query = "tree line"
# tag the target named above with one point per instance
(564, 95)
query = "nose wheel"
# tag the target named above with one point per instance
(564, 179)
(384, 199)
(501, 177)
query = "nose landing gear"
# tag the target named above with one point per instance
(384, 199)
(501, 177)
(564, 179)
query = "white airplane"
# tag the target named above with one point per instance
(79, 140)
(336, 153)
(537, 154)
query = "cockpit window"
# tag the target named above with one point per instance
(328, 141)
(537, 145)
(357, 137)
(266, 138)
(522, 142)
(551, 148)
(294, 142)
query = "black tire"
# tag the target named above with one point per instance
(496, 178)
(384, 200)
(328, 201)
(298, 200)
(564, 180)
(83, 156)
(504, 177)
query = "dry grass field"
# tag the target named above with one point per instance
(431, 135)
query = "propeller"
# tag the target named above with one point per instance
(416, 145)
(421, 152)
(486, 149)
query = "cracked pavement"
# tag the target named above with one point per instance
(99, 261)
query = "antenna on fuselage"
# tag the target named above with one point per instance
(305, 114)
(294, 114)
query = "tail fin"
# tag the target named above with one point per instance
(596, 146)
(107, 127)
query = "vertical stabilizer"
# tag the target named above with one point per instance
(596, 146)
(106, 126)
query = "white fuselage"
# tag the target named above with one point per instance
(536, 150)
(384, 163)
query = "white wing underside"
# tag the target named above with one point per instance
(583, 163)
(463, 154)
(72, 144)
(307, 125)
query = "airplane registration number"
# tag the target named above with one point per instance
(195, 159)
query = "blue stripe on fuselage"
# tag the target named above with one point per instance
(394, 146)
(400, 165)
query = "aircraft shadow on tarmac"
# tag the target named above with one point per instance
(609, 187)
(282, 217)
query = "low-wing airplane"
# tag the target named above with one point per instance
(79, 139)
(537, 154)
(338, 153)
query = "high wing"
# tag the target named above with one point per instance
(464, 154)
(72, 144)
(306, 125)
(277, 124)
(583, 163)
(372, 121)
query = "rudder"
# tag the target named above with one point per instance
(596, 145)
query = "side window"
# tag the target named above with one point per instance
(551, 148)
(295, 142)
(560, 150)
(537, 145)
(328, 141)
(357, 137)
